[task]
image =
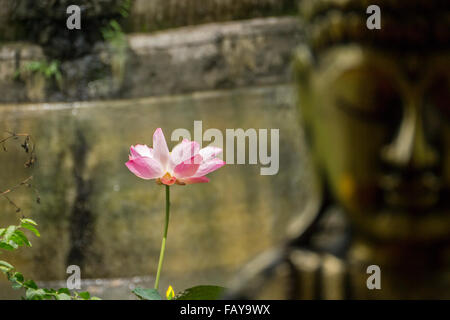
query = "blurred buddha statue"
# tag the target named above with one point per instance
(375, 108)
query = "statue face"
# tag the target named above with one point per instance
(379, 128)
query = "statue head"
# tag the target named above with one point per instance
(375, 108)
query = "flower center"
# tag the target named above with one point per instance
(167, 179)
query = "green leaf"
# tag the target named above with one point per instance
(23, 237)
(147, 294)
(13, 244)
(63, 296)
(16, 240)
(34, 66)
(6, 246)
(35, 294)
(29, 221)
(201, 293)
(16, 280)
(85, 295)
(64, 290)
(30, 227)
(18, 276)
(15, 285)
(9, 232)
(6, 265)
(30, 284)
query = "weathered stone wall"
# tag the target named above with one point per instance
(80, 174)
(211, 56)
(12, 58)
(204, 57)
(19, 18)
(9, 31)
(82, 147)
(153, 15)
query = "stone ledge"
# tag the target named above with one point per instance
(211, 32)
(154, 15)
(19, 17)
(205, 57)
(211, 56)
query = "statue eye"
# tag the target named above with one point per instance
(370, 97)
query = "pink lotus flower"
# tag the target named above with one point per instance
(186, 164)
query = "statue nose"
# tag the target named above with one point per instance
(409, 148)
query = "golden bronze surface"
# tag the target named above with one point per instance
(375, 110)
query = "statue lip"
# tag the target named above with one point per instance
(417, 192)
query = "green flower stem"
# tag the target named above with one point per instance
(163, 245)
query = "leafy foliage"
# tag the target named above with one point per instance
(147, 294)
(34, 293)
(12, 238)
(47, 69)
(201, 293)
(114, 35)
(124, 8)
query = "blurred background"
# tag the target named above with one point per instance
(87, 95)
